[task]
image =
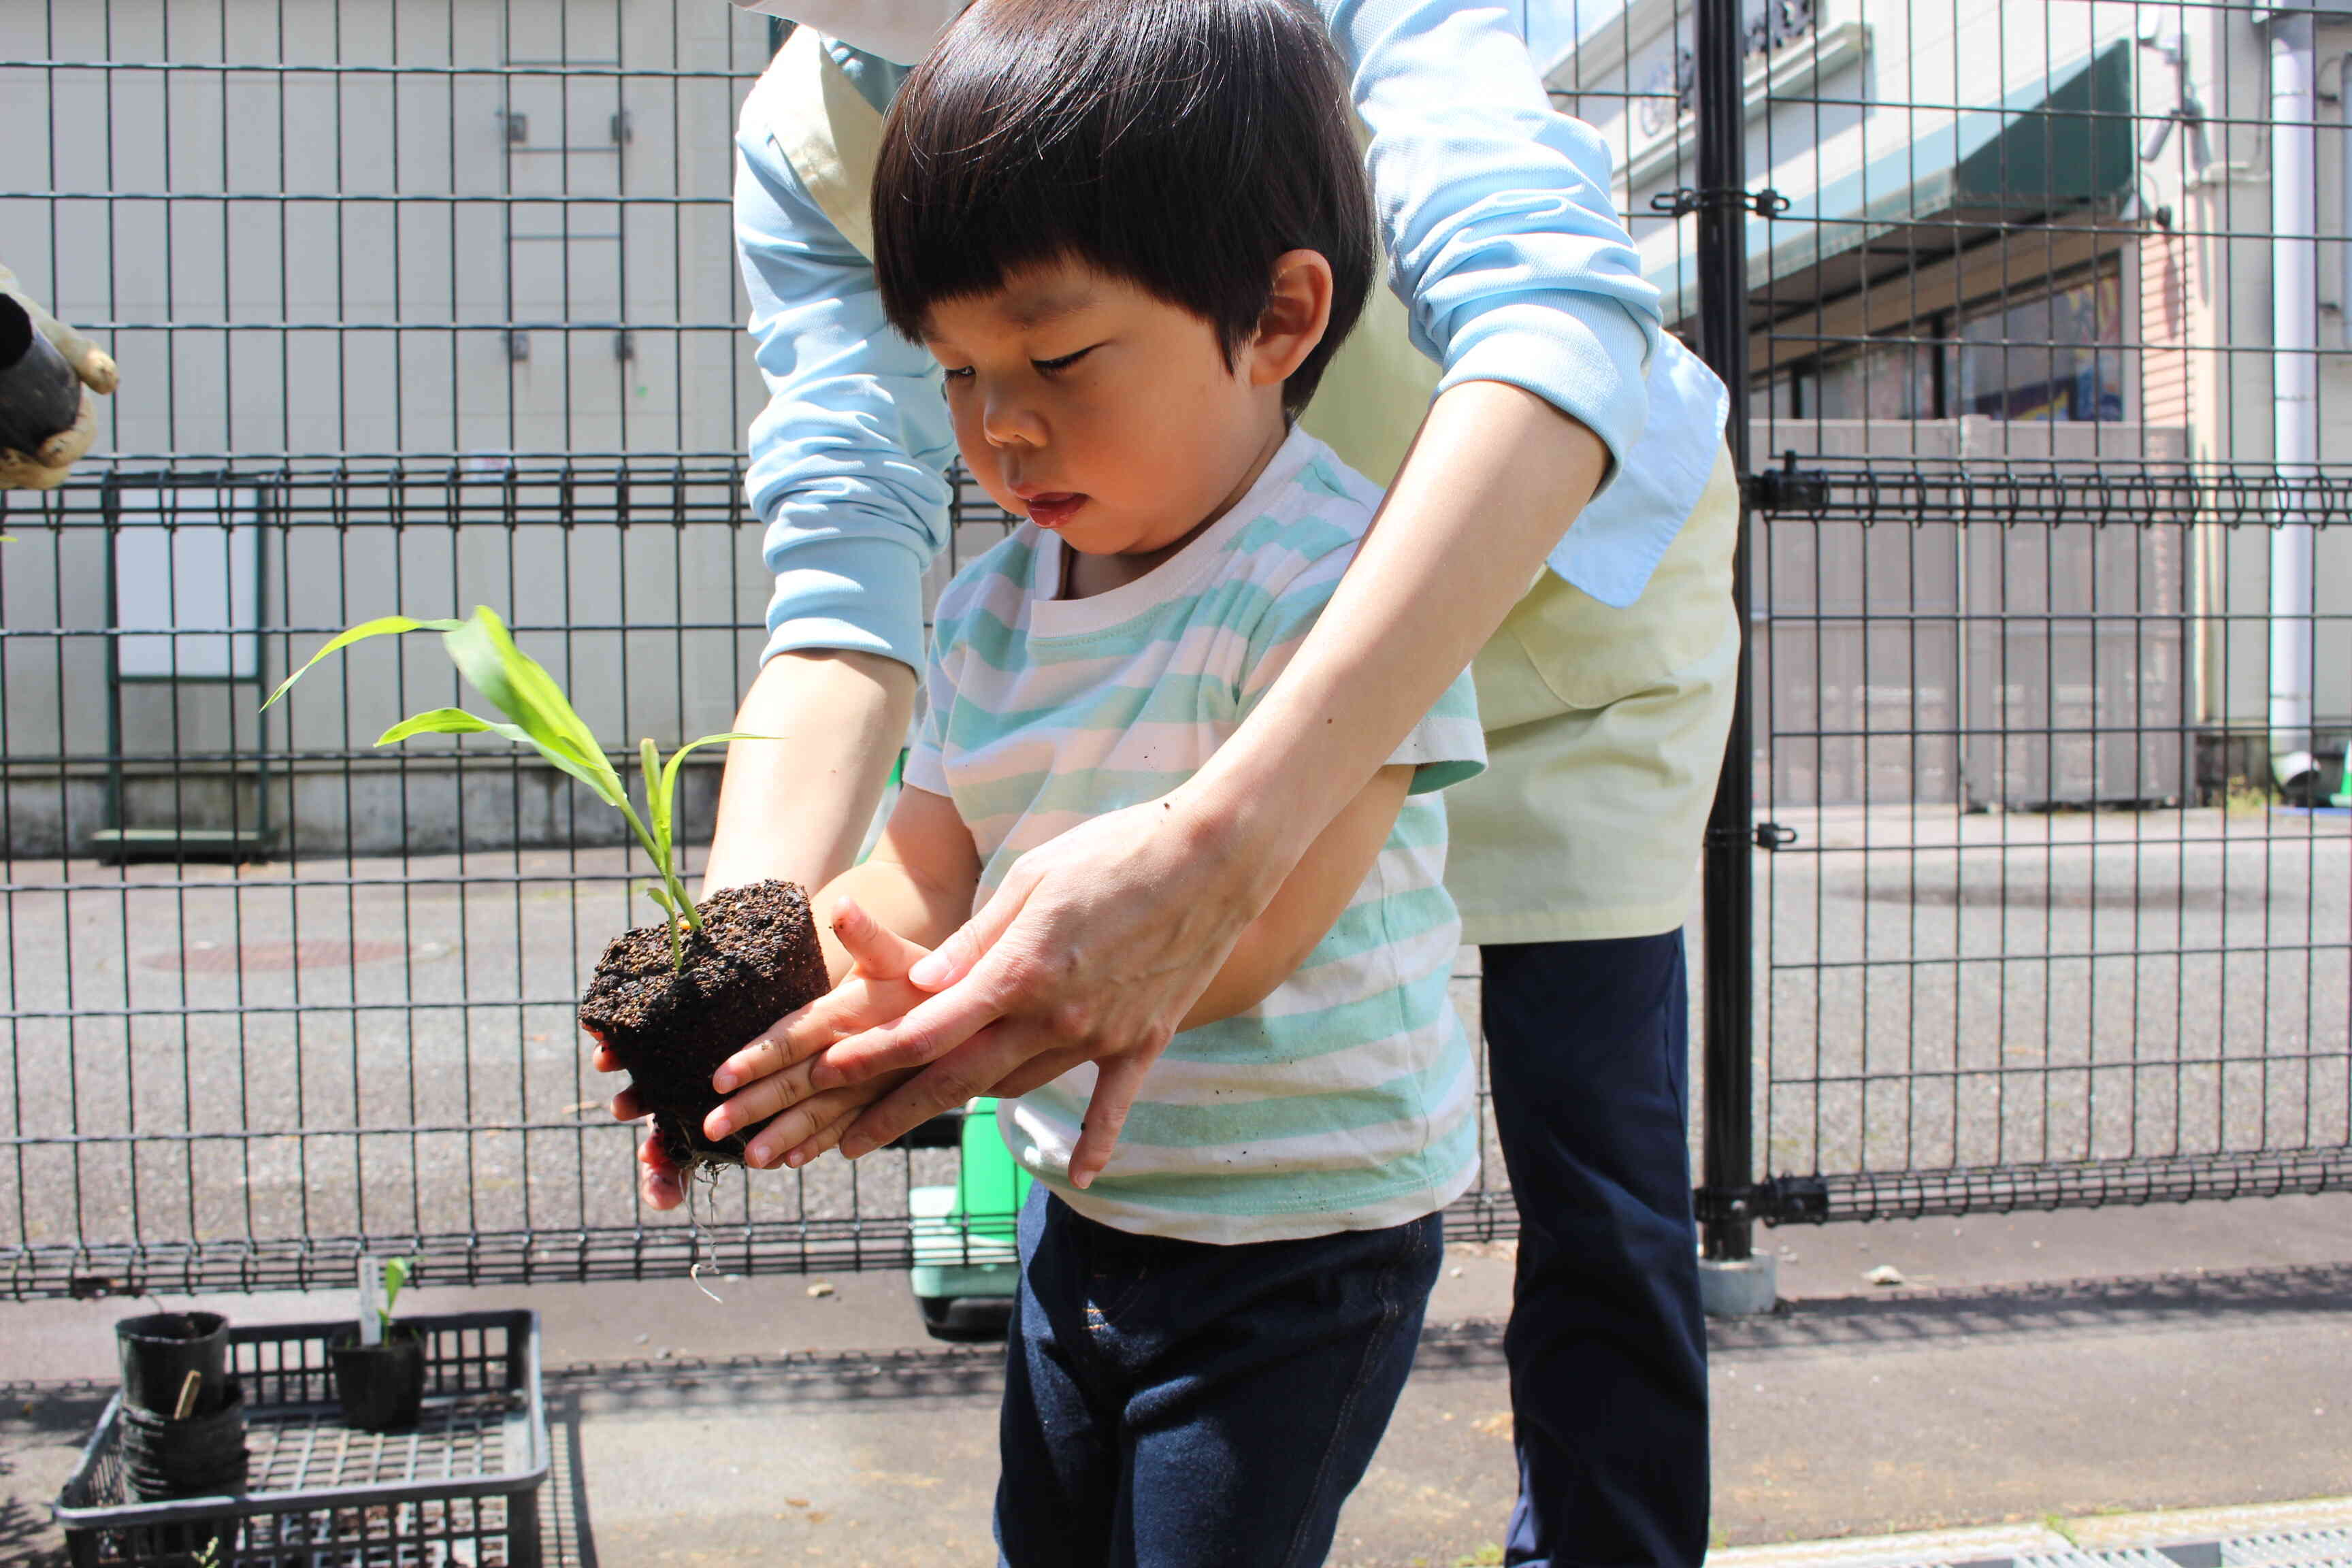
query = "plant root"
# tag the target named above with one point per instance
(701, 1172)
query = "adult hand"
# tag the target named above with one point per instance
(1093, 949)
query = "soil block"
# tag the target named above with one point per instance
(755, 958)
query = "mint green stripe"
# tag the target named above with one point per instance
(1174, 699)
(1230, 1125)
(1377, 923)
(1282, 1043)
(1307, 539)
(1222, 1189)
(1430, 777)
(1237, 607)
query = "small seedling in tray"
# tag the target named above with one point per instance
(674, 999)
(379, 1371)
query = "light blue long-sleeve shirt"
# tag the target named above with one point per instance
(1503, 244)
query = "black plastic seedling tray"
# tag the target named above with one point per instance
(460, 1490)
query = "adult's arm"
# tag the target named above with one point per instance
(797, 812)
(847, 467)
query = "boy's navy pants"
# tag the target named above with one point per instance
(1178, 1404)
(1588, 1044)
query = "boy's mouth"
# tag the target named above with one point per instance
(1054, 508)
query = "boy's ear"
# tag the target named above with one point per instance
(1297, 313)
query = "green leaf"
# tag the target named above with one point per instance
(458, 721)
(662, 824)
(450, 722)
(518, 687)
(656, 799)
(383, 625)
(395, 1275)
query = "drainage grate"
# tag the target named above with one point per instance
(2315, 1535)
(2303, 1548)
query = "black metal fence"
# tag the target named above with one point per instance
(2035, 831)
(423, 305)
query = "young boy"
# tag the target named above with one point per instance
(1132, 235)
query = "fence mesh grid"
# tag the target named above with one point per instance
(2048, 305)
(429, 303)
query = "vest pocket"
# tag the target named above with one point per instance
(1561, 649)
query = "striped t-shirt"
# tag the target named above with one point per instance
(1343, 1100)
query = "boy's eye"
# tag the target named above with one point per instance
(957, 372)
(1051, 366)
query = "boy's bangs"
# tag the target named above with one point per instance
(1181, 145)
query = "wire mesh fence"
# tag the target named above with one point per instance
(434, 302)
(2042, 936)
(276, 997)
(420, 305)
(2050, 598)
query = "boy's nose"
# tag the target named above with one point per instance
(1010, 421)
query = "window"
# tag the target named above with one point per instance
(2058, 356)
(187, 582)
(2055, 354)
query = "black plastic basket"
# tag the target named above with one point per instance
(461, 1487)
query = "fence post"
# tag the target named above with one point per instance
(1721, 203)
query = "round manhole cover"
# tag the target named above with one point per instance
(225, 958)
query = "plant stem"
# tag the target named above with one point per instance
(670, 878)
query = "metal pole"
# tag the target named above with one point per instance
(1729, 1136)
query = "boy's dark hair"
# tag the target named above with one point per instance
(1179, 144)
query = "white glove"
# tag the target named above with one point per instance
(47, 468)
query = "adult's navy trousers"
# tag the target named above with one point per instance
(1588, 1050)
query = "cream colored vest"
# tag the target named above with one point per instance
(1605, 726)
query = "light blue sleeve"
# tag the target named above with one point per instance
(848, 460)
(1507, 248)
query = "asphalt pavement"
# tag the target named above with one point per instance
(387, 1045)
(274, 1052)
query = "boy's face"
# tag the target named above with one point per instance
(1099, 411)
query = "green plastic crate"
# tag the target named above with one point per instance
(967, 1252)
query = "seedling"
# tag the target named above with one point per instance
(375, 1320)
(543, 718)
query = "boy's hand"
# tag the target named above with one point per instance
(770, 1075)
(659, 1184)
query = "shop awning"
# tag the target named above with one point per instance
(2059, 147)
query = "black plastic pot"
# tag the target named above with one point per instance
(201, 1456)
(160, 1350)
(380, 1387)
(40, 394)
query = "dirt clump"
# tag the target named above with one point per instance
(755, 958)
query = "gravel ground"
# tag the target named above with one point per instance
(385, 1047)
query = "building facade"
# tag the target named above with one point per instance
(2026, 250)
